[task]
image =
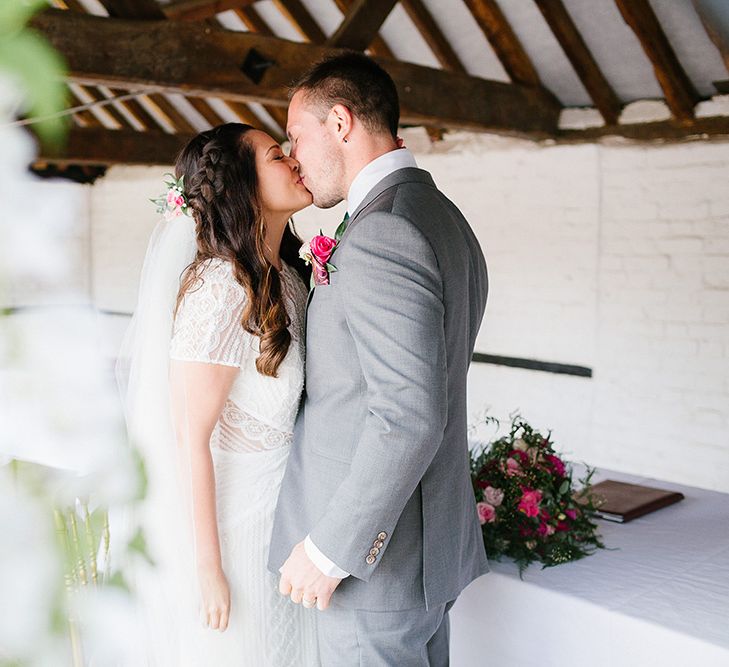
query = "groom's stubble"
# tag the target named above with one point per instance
(324, 173)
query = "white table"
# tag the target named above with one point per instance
(661, 599)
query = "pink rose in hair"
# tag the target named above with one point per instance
(321, 248)
(486, 513)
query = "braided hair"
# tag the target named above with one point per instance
(221, 186)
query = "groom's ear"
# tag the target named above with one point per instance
(342, 121)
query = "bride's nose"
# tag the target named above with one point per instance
(294, 164)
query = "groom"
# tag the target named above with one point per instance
(376, 520)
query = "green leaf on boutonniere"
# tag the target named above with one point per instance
(340, 230)
(331, 268)
(312, 284)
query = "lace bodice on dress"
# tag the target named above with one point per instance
(260, 411)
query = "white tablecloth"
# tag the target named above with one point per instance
(661, 598)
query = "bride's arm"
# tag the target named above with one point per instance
(198, 393)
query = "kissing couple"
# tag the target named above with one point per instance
(309, 499)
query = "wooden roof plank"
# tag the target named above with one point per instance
(162, 105)
(583, 62)
(361, 24)
(708, 13)
(134, 9)
(94, 95)
(195, 10)
(378, 46)
(302, 21)
(681, 96)
(503, 40)
(432, 34)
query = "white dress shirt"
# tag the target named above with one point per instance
(367, 178)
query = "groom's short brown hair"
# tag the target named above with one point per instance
(357, 82)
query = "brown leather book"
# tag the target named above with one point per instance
(624, 502)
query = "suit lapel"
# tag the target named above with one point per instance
(405, 175)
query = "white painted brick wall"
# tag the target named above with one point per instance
(612, 257)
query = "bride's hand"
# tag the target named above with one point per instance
(214, 598)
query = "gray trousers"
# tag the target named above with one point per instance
(411, 638)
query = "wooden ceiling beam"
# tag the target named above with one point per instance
(200, 60)
(432, 34)
(196, 10)
(99, 146)
(583, 62)
(302, 21)
(681, 96)
(503, 40)
(361, 24)
(661, 131)
(378, 47)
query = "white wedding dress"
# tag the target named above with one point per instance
(249, 446)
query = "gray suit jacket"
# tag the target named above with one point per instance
(379, 472)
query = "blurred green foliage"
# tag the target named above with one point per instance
(28, 58)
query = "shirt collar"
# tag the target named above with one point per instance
(374, 172)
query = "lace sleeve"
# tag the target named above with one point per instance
(208, 324)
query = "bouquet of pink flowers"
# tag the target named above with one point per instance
(526, 502)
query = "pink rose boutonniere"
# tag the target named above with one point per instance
(317, 251)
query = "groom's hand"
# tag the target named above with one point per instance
(302, 580)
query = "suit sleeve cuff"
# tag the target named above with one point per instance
(327, 567)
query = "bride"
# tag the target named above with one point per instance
(213, 370)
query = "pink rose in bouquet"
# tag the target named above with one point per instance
(493, 496)
(486, 513)
(529, 503)
(513, 467)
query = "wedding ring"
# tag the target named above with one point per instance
(308, 603)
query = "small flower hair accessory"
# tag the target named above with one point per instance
(173, 203)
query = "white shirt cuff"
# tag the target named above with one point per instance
(326, 566)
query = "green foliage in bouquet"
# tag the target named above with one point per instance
(527, 503)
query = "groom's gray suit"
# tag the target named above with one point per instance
(379, 475)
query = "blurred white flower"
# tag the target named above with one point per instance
(109, 619)
(30, 571)
(59, 406)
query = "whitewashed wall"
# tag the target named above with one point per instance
(611, 257)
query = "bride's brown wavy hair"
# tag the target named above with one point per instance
(221, 186)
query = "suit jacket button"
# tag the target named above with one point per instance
(370, 559)
(374, 551)
(382, 535)
(379, 544)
